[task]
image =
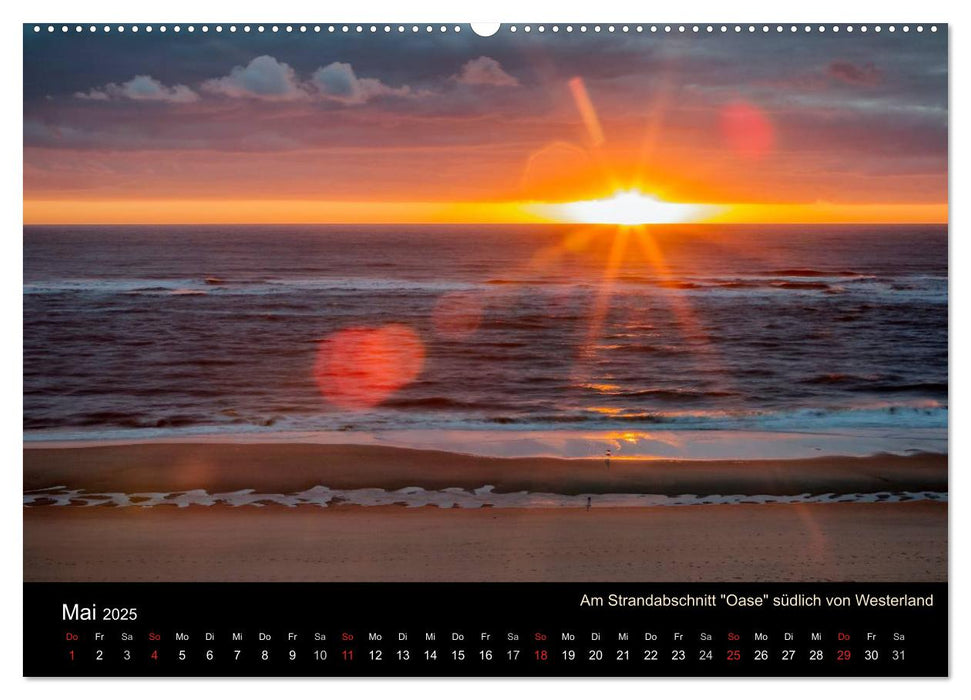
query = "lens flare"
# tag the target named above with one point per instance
(588, 112)
(747, 129)
(358, 368)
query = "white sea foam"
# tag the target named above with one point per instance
(417, 497)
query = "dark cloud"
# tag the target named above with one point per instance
(867, 74)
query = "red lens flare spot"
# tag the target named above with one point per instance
(457, 315)
(747, 129)
(358, 368)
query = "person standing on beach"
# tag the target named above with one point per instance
(607, 459)
(589, 500)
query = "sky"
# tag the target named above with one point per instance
(453, 127)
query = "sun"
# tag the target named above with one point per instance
(625, 208)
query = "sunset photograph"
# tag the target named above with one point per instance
(399, 303)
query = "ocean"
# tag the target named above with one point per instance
(158, 331)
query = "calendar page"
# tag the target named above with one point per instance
(512, 350)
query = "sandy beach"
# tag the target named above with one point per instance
(795, 542)
(841, 542)
(283, 467)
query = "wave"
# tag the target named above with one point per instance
(439, 403)
(441, 413)
(811, 272)
(795, 420)
(801, 285)
(524, 282)
(874, 384)
(937, 389)
(230, 286)
(794, 279)
(672, 395)
(837, 378)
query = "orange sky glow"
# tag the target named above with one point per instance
(135, 211)
(638, 131)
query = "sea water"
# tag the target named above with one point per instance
(153, 331)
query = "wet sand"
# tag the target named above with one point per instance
(281, 468)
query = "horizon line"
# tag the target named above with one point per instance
(197, 212)
(682, 224)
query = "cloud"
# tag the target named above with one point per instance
(338, 81)
(485, 71)
(94, 94)
(847, 72)
(263, 78)
(140, 88)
